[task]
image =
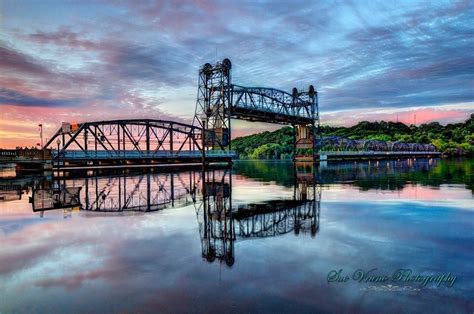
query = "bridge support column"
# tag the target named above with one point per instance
(307, 137)
(304, 143)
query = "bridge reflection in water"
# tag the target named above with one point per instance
(222, 222)
(209, 192)
(145, 192)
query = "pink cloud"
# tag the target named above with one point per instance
(19, 125)
(65, 37)
(423, 115)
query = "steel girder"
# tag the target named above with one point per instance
(272, 105)
(133, 134)
(338, 143)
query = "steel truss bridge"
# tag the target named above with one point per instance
(337, 147)
(132, 141)
(208, 138)
(129, 142)
(219, 101)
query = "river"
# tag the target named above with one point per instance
(260, 237)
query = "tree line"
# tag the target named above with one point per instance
(456, 139)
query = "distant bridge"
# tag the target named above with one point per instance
(347, 155)
(27, 159)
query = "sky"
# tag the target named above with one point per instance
(79, 61)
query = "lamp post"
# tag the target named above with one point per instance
(58, 142)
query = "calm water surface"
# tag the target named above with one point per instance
(261, 237)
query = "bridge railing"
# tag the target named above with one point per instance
(368, 153)
(134, 154)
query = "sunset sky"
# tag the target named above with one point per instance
(90, 60)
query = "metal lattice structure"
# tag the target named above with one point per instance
(272, 105)
(128, 135)
(214, 216)
(277, 218)
(213, 102)
(219, 101)
(209, 137)
(338, 143)
(123, 141)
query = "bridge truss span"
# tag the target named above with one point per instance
(271, 105)
(124, 141)
(219, 101)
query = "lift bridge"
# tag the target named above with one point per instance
(208, 138)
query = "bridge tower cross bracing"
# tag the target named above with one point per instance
(214, 100)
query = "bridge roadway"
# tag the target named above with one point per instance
(77, 158)
(133, 154)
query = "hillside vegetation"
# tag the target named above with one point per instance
(452, 139)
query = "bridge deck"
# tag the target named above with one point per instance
(324, 155)
(133, 154)
(90, 159)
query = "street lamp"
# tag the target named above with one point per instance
(58, 142)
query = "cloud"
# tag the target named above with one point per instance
(126, 58)
(11, 97)
(159, 65)
(444, 114)
(12, 62)
(64, 37)
(407, 62)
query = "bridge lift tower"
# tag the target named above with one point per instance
(219, 101)
(213, 104)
